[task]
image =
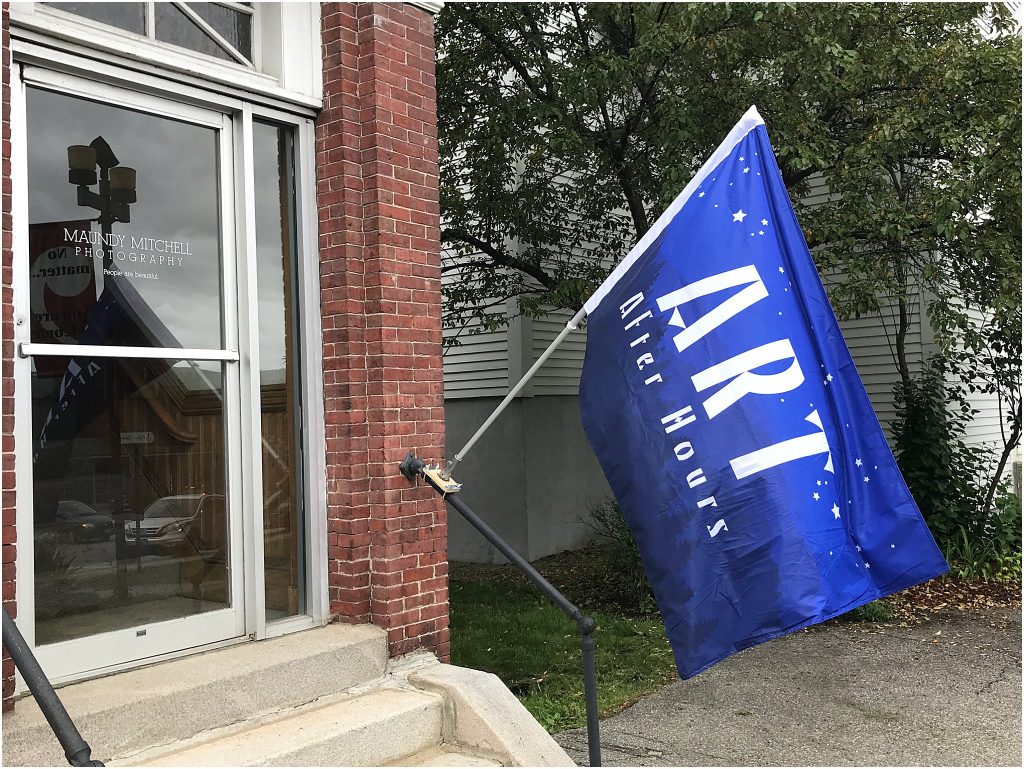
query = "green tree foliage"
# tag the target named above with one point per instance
(566, 128)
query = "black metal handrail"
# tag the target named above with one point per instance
(76, 749)
(585, 625)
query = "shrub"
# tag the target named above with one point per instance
(608, 522)
(995, 552)
(948, 478)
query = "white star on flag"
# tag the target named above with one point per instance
(829, 377)
(866, 479)
(867, 565)
(858, 462)
(760, 232)
(746, 170)
(835, 510)
(819, 483)
(764, 222)
(739, 216)
(781, 270)
(701, 195)
(892, 546)
(816, 496)
(858, 548)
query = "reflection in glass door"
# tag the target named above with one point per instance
(129, 494)
(132, 380)
(280, 407)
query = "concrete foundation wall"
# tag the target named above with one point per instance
(531, 477)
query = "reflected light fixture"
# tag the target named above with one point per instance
(122, 184)
(82, 165)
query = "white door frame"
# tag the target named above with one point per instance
(246, 617)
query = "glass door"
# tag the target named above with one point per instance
(134, 378)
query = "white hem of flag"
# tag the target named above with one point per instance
(750, 120)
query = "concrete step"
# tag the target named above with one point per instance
(446, 755)
(372, 729)
(156, 705)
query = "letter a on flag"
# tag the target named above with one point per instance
(726, 412)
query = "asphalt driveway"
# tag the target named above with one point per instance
(945, 692)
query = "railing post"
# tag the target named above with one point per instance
(586, 626)
(412, 467)
(76, 750)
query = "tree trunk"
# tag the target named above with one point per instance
(633, 200)
(1011, 443)
(901, 342)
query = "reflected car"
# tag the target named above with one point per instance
(75, 521)
(166, 525)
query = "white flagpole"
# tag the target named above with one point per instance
(749, 121)
(571, 326)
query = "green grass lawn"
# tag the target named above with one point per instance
(505, 626)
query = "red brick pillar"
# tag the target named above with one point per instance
(6, 352)
(380, 284)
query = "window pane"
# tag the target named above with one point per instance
(173, 26)
(127, 16)
(129, 505)
(279, 401)
(105, 270)
(234, 26)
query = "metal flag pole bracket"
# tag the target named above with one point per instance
(412, 466)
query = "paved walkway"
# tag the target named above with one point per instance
(944, 693)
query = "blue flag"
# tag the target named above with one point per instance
(729, 419)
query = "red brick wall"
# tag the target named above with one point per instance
(381, 307)
(6, 354)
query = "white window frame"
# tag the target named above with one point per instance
(286, 50)
(100, 28)
(117, 85)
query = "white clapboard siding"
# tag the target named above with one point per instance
(560, 375)
(984, 426)
(817, 192)
(478, 367)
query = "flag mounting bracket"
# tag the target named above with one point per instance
(412, 466)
